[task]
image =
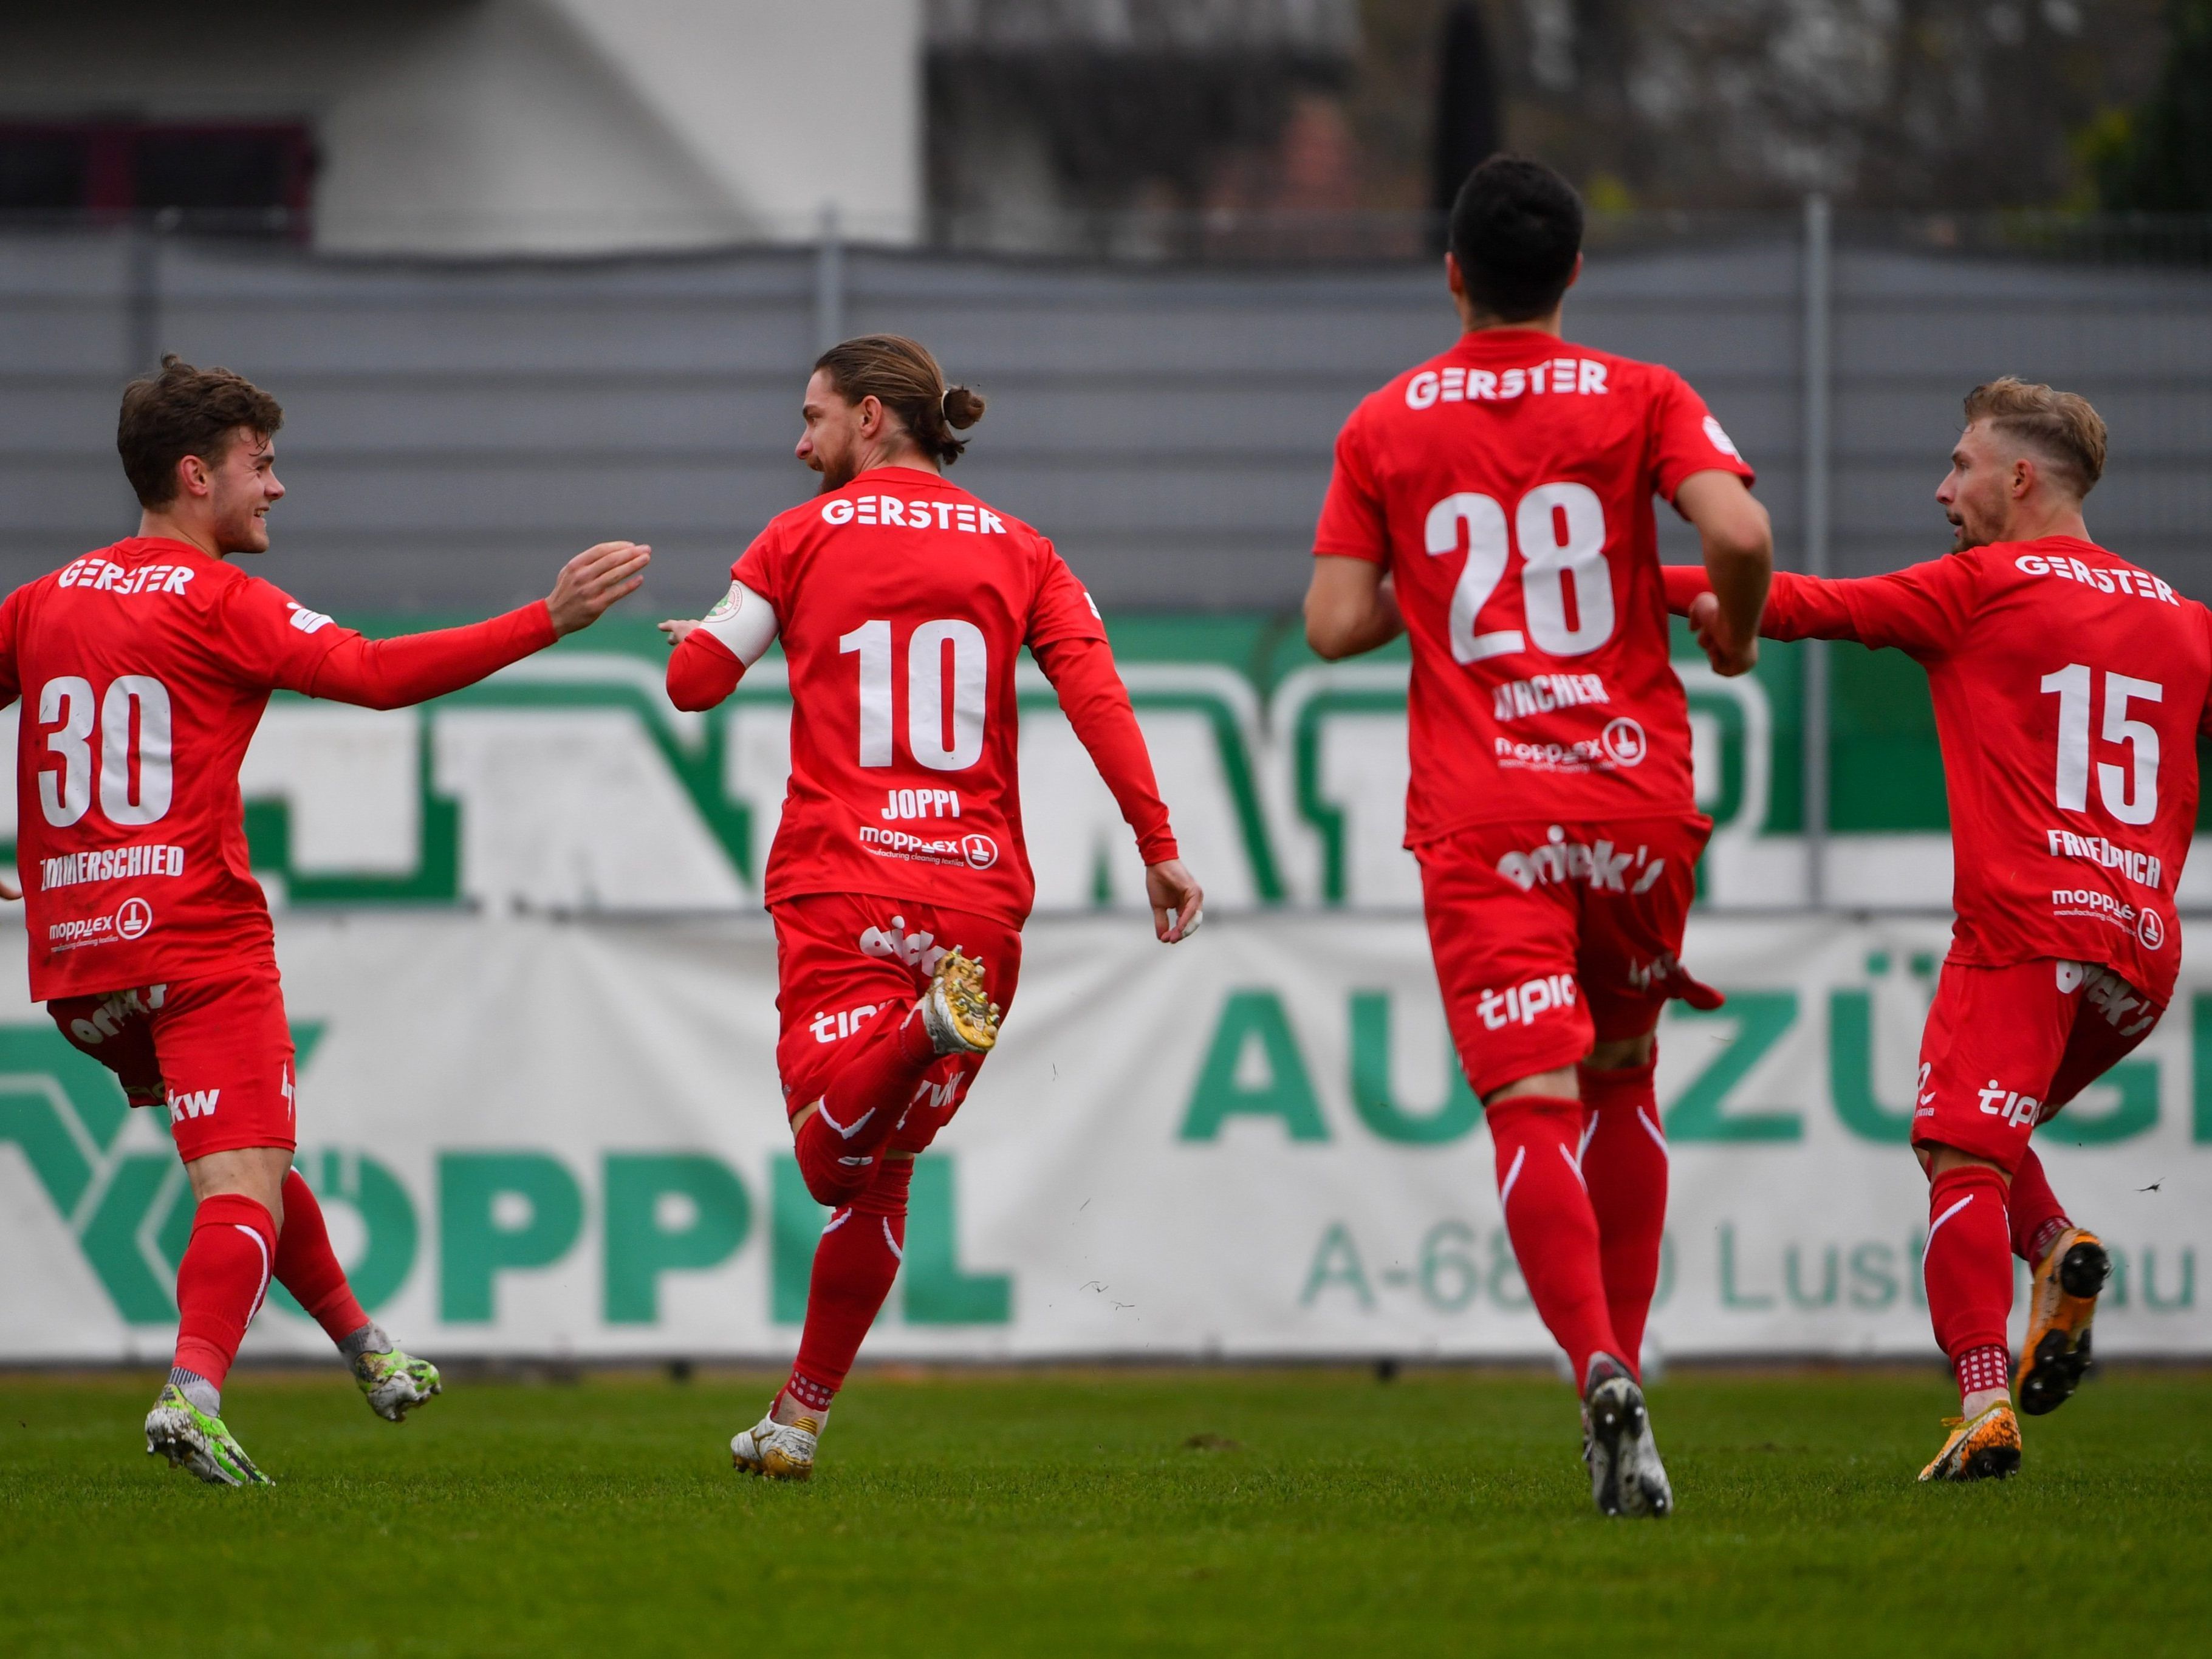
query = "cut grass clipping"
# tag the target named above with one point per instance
(1202, 1511)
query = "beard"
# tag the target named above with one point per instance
(837, 476)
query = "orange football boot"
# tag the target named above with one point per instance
(1986, 1448)
(2056, 1355)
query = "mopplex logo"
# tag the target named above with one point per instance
(130, 1208)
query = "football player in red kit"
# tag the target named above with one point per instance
(898, 880)
(2069, 690)
(1494, 502)
(144, 669)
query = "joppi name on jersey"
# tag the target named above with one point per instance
(1561, 859)
(914, 515)
(1577, 375)
(921, 804)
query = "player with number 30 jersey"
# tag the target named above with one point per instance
(1494, 502)
(144, 670)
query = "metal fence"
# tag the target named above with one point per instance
(1167, 413)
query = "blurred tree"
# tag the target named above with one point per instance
(2158, 157)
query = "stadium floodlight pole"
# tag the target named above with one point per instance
(1818, 324)
(829, 281)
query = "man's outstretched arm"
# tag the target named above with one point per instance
(1920, 610)
(1097, 705)
(711, 656)
(1738, 539)
(414, 668)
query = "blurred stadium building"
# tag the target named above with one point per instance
(526, 273)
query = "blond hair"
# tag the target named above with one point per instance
(2060, 427)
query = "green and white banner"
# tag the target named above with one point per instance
(542, 1136)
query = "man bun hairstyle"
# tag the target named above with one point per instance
(2062, 430)
(181, 411)
(901, 374)
(1517, 228)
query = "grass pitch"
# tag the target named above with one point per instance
(1205, 1511)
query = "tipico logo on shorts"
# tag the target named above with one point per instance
(1520, 1004)
(2019, 1110)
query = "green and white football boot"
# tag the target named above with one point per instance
(396, 1383)
(180, 1431)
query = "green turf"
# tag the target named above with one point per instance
(1083, 1513)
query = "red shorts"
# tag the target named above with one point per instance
(1551, 936)
(2005, 1047)
(216, 1052)
(843, 961)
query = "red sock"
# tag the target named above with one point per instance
(1548, 1217)
(837, 1145)
(307, 1267)
(853, 1266)
(1624, 1160)
(221, 1282)
(2037, 1217)
(1969, 1271)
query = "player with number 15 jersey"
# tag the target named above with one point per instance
(1494, 502)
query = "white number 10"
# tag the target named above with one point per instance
(942, 739)
(2130, 800)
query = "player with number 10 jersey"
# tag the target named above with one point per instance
(1494, 502)
(898, 879)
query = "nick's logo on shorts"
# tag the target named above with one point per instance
(1519, 1005)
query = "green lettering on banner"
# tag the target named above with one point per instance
(1253, 1033)
(939, 1290)
(2200, 1054)
(387, 1217)
(474, 1250)
(2134, 1113)
(1731, 1297)
(640, 1248)
(1792, 1277)
(1371, 1095)
(1337, 1262)
(795, 1223)
(1850, 1071)
(1700, 1114)
(2185, 1297)
(111, 1237)
(1873, 1276)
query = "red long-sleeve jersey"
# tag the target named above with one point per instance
(144, 670)
(902, 603)
(2069, 689)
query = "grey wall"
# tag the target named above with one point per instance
(453, 432)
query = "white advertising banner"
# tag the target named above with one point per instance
(538, 1137)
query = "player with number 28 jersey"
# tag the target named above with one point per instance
(1494, 502)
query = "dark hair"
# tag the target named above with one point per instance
(901, 374)
(1516, 229)
(183, 411)
(2060, 427)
